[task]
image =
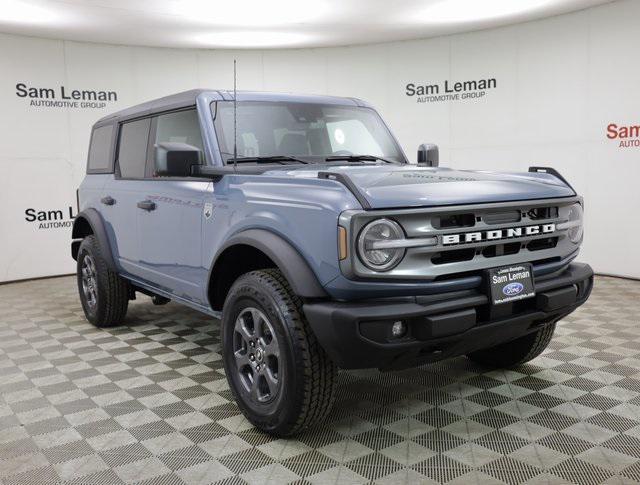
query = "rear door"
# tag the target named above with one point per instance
(171, 231)
(122, 193)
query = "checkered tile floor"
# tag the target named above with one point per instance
(148, 403)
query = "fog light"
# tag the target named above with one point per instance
(398, 329)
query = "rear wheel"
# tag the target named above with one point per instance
(103, 293)
(281, 378)
(517, 351)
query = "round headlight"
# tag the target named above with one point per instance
(575, 223)
(375, 244)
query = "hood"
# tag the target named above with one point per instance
(390, 186)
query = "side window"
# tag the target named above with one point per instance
(181, 126)
(132, 151)
(100, 150)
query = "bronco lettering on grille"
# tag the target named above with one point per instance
(496, 234)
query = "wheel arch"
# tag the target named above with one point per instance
(87, 223)
(259, 249)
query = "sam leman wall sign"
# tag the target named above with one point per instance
(450, 90)
(50, 219)
(63, 97)
(626, 136)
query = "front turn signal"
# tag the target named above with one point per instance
(342, 243)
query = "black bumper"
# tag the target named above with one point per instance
(357, 335)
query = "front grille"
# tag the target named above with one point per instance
(505, 217)
(539, 213)
(494, 250)
(473, 237)
(541, 244)
(454, 221)
(454, 256)
(479, 273)
(501, 250)
(486, 221)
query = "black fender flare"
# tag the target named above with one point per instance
(93, 218)
(294, 267)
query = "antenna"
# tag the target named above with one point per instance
(235, 117)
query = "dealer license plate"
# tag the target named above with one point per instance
(511, 283)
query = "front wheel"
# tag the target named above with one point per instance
(517, 351)
(281, 378)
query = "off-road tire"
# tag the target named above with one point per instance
(307, 378)
(113, 291)
(517, 351)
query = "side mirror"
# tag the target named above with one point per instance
(174, 159)
(428, 155)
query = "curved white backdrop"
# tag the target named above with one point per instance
(559, 83)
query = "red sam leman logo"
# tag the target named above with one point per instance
(629, 136)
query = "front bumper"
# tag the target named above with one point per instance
(356, 335)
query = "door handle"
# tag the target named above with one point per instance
(147, 205)
(108, 200)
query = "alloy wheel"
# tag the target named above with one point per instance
(89, 281)
(257, 355)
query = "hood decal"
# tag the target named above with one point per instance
(417, 177)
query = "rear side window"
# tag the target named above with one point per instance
(132, 151)
(100, 150)
(181, 126)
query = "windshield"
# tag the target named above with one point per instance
(309, 131)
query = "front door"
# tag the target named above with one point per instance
(170, 228)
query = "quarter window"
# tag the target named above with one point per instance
(100, 150)
(132, 154)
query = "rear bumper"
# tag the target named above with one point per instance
(357, 335)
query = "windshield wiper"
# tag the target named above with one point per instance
(357, 158)
(269, 159)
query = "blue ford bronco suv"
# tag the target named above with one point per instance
(299, 223)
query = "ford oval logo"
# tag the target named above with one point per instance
(513, 289)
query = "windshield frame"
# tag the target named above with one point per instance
(310, 159)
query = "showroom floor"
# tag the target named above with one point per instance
(148, 403)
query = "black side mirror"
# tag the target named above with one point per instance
(174, 159)
(428, 155)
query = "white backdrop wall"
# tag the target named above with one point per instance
(560, 82)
